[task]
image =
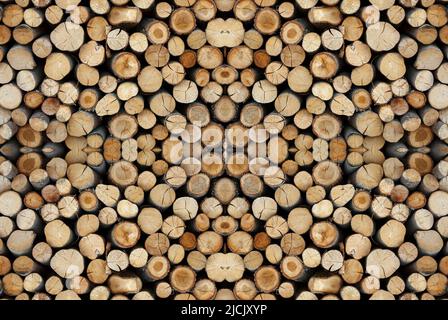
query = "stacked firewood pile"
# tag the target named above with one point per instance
(223, 149)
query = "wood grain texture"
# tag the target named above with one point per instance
(223, 149)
